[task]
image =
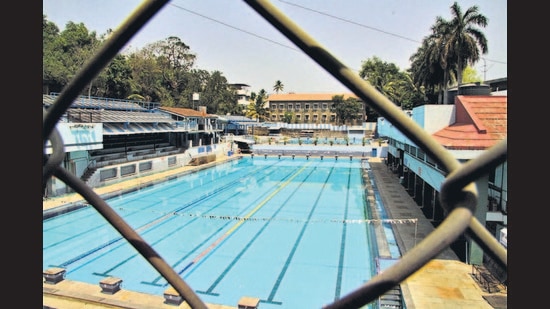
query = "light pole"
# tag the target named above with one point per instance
(196, 97)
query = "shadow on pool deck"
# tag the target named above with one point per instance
(444, 282)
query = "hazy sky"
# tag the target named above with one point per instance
(230, 37)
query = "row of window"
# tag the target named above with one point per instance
(307, 118)
(298, 106)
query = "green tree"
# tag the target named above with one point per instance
(287, 117)
(470, 75)
(389, 80)
(66, 52)
(146, 77)
(259, 105)
(278, 86)
(346, 110)
(117, 78)
(174, 60)
(426, 68)
(217, 96)
(463, 40)
(251, 111)
(53, 70)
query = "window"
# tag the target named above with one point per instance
(324, 118)
(306, 118)
(281, 106)
(306, 107)
(492, 176)
(325, 106)
(298, 106)
(290, 106)
(314, 118)
(420, 154)
(315, 106)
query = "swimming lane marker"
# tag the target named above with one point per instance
(238, 224)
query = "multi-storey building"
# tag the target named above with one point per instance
(467, 129)
(312, 108)
(243, 94)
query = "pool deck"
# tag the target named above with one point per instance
(444, 282)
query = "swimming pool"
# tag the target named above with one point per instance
(293, 232)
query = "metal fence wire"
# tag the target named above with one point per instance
(458, 192)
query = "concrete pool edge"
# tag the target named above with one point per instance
(60, 204)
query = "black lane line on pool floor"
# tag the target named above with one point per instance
(248, 245)
(156, 221)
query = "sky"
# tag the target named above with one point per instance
(230, 37)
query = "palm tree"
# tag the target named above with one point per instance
(278, 86)
(256, 108)
(431, 66)
(463, 40)
(261, 98)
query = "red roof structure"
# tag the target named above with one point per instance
(481, 122)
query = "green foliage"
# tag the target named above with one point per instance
(396, 85)
(451, 46)
(287, 117)
(162, 71)
(278, 87)
(66, 52)
(470, 75)
(346, 110)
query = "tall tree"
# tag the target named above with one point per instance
(278, 86)
(426, 69)
(117, 79)
(216, 94)
(463, 39)
(65, 52)
(174, 60)
(395, 84)
(256, 109)
(147, 77)
(346, 110)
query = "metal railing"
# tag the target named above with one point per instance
(458, 192)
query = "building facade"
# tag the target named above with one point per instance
(466, 128)
(311, 108)
(242, 91)
(106, 140)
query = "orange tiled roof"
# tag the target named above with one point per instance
(307, 96)
(186, 112)
(481, 122)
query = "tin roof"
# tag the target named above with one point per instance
(186, 112)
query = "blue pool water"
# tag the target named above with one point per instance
(292, 232)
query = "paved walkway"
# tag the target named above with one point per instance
(444, 283)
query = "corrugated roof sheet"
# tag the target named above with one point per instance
(91, 115)
(186, 112)
(481, 122)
